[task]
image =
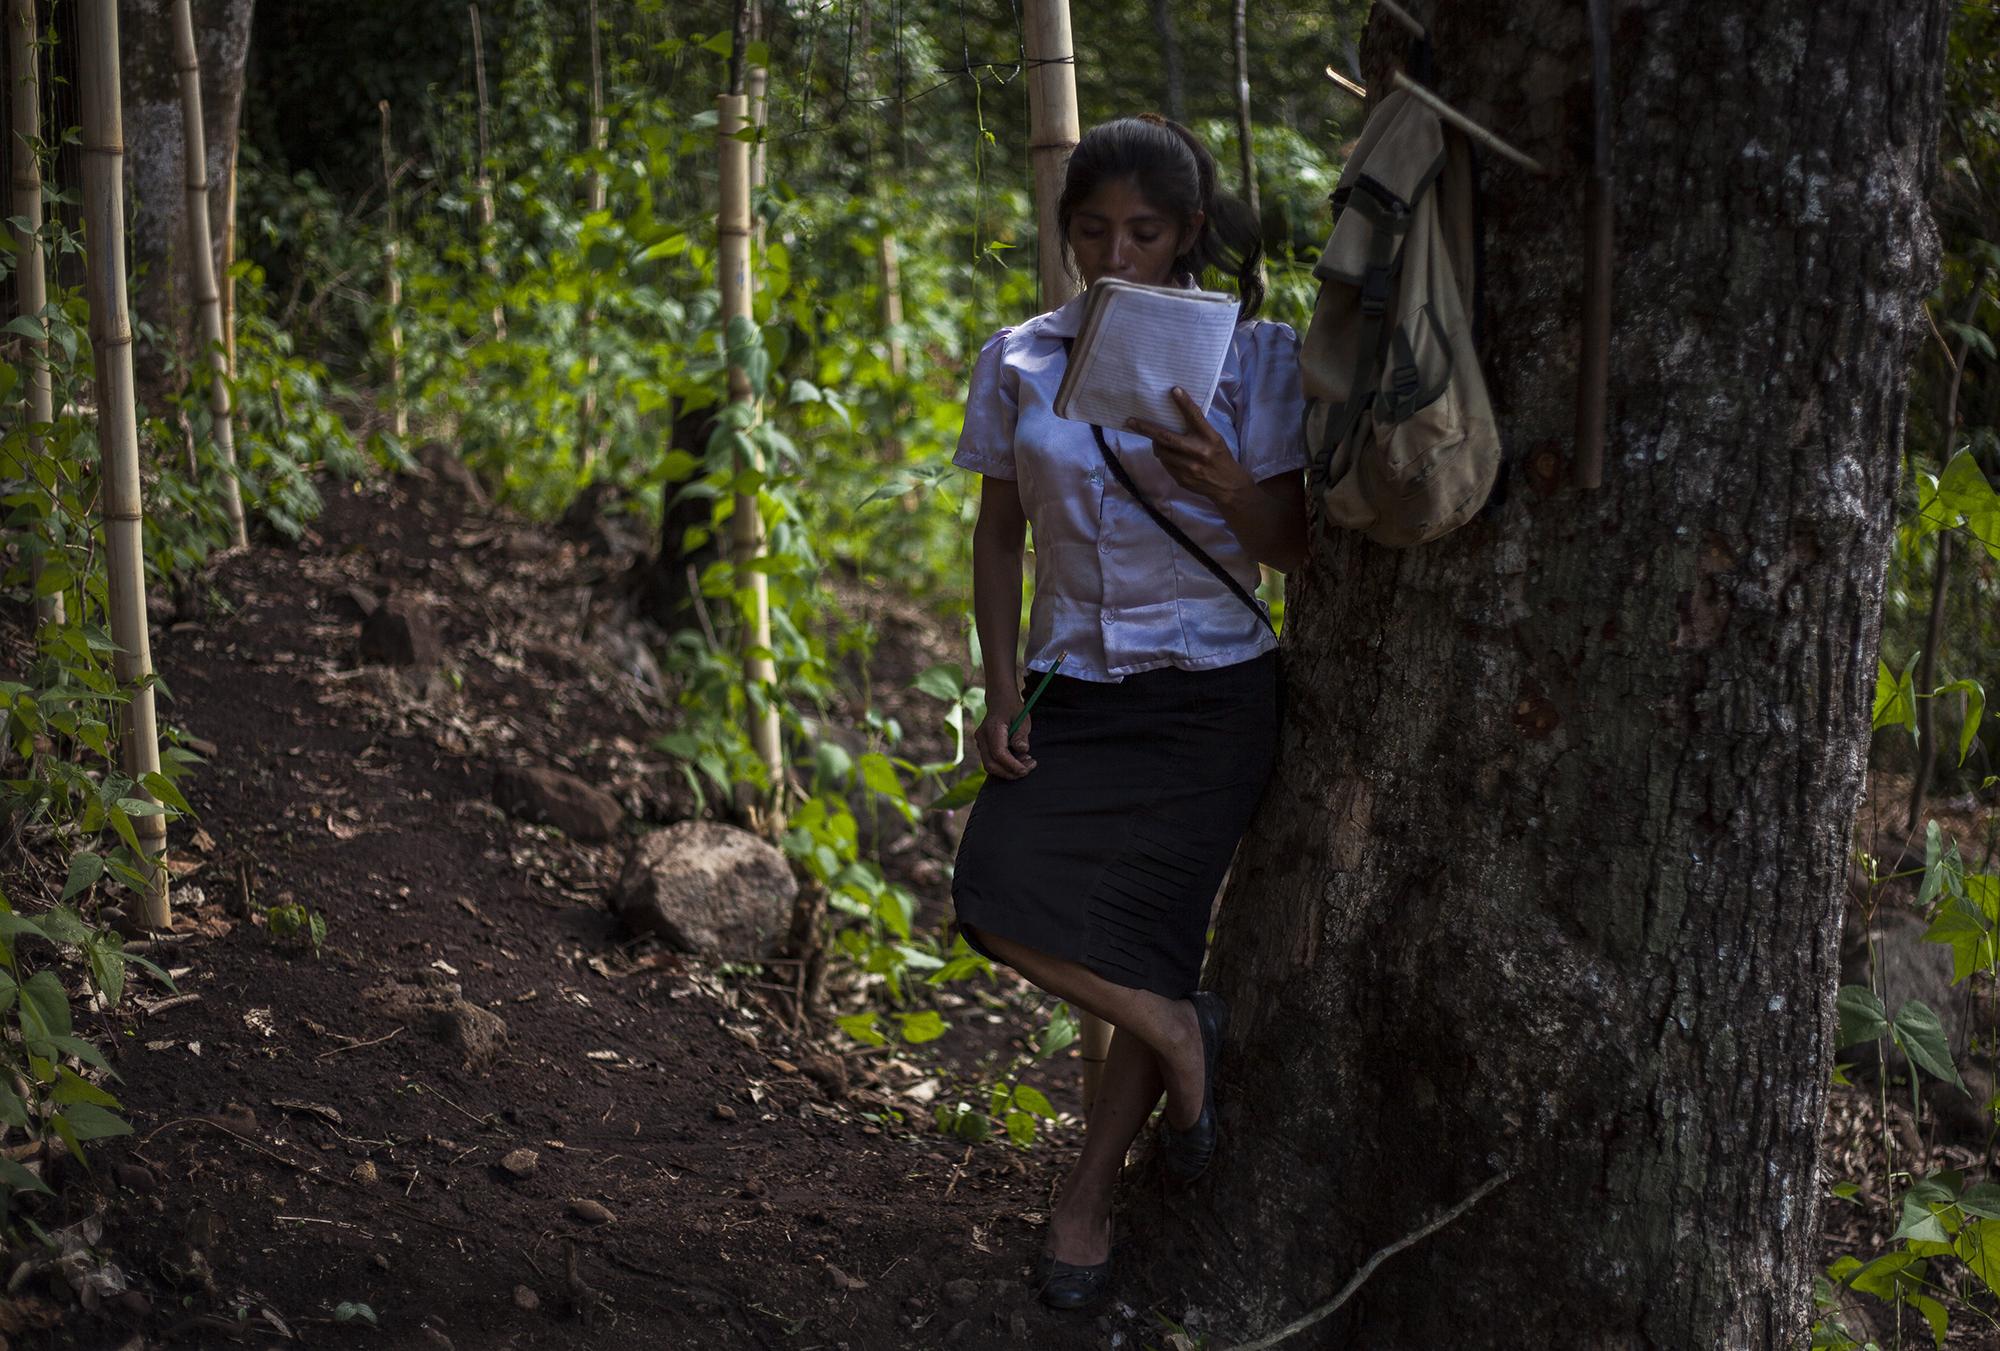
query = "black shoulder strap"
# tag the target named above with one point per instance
(1179, 535)
(1174, 532)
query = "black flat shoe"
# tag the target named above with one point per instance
(1064, 1285)
(1185, 1154)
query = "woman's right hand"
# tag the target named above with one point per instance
(1002, 756)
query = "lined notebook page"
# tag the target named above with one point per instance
(1137, 343)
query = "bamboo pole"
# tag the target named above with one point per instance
(118, 428)
(392, 286)
(31, 284)
(1053, 129)
(599, 138)
(229, 261)
(201, 265)
(732, 228)
(892, 304)
(483, 183)
(1240, 29)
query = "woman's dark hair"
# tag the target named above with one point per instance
(1176, 174)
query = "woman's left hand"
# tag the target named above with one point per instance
(1198, 458)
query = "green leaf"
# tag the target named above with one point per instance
(1862, 1016)
(1978, 1246)
(1032, 1100)
(862, 1027)
(1923, 1039)
(348, 1311)
(1934, 1314)
(1895, 699)
(946, 682)
(82, 1050)
(162, 788)
(1021, 1128)
(880, 775)
(64, 925)
(16, 1177)
(1060, 1033)
(90, 1122)
(44, 1008)
(72, 1087)
(959, 794)
(85, 868)
(921, 1027)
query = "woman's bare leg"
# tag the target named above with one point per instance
(1080, 1229)
(1156, 1045)
(1167, 1026)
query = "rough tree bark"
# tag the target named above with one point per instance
(156, 172)
(1550, 873)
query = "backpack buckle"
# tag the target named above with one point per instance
(1375, 290)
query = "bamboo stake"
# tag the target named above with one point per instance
(1052, 134)
(229, 260)
(483, 183)
(732, 228)
(201, 263)
(392, 283)
(757, 85)
(593, 202)
(1053, 129)
(31, 286)
(1240, 25)
(118, 428)
(892, 304)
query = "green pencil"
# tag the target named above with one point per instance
(1036, 693)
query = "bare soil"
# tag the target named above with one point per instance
(701, 1171)
(701, 1174)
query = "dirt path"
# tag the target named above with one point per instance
(302, 1141)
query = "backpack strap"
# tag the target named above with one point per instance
(1390, 216)
(1174, 532)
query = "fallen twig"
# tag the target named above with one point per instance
(1355, 1282)
(171, 1002)
(357, 1045)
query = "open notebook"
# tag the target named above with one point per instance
(1136, 343)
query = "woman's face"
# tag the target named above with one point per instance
(1116, 232)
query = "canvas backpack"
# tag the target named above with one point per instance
(1398, 425)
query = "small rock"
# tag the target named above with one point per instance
(961, 1291)
(526, 1299)
(366, 1173)
(577, 809)
(381, 1261)
(829, 1072)
(356, 602)
(520, 1163)
(724, 1112)
(707, 888)
(135, 1178)
(448, 468)
(589, 1211)
(753, 1185)
(400, 632)
(842, 1281)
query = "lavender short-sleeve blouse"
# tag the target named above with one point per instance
(1111, 588)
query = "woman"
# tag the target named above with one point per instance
(1095, 849)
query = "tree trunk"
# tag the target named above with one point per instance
(1549, 876)
(156, 165)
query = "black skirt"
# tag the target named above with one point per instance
(1110, 851)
